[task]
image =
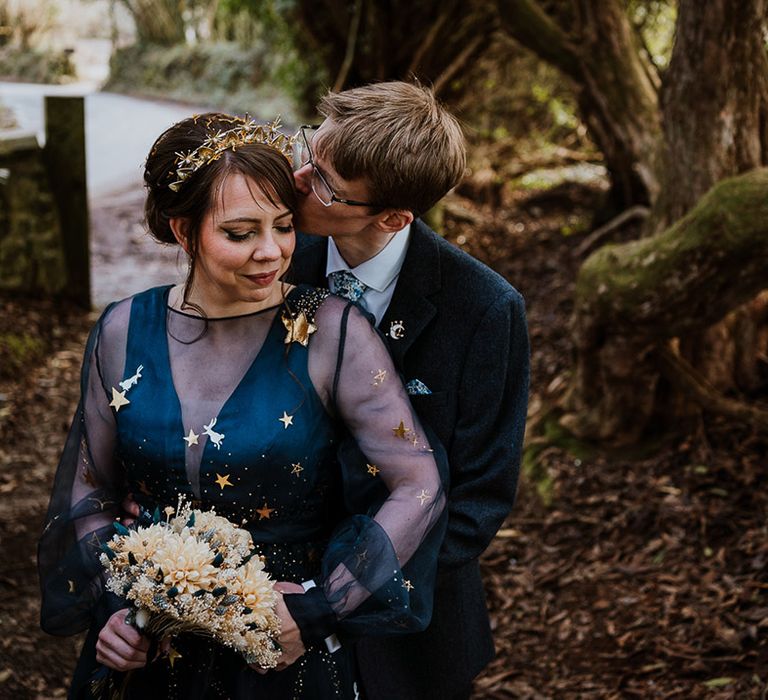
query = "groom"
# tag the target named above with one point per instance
(385, 154)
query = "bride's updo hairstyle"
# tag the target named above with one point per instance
(190, 161)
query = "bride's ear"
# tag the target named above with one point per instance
(179, 227)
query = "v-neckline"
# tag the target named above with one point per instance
(222, 409)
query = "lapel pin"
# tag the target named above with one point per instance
(396, 330)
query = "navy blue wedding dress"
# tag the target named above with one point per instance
(290, 421)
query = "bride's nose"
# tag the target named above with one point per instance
(267, 249)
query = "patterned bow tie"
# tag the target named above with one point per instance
(346, 285)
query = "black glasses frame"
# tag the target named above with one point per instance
(319, 173)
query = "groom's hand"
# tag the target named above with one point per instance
(130, 510)
(290, 636)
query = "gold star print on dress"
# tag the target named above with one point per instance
(265, 512)
(373, 470)
(407, 585)
(401, 431)
(379, 377)
(297, 468)
(118, 397)
(223, 480)
(286, 420)
(299, 328)
(191, 439)
(173, 655)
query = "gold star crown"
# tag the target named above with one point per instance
(246, 132)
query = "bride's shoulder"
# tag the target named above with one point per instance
(113, 323)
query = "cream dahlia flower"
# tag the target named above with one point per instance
(187, 563)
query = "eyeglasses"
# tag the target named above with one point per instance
(323, 191)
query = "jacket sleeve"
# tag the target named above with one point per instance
(485, 456)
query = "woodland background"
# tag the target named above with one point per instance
(617, 179)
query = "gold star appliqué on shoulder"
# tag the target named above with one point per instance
(373, 470)
(299, 328)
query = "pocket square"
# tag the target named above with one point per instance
(416, 386)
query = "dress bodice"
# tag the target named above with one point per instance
(265, 458)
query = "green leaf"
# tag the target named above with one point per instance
(173, 592)
(121, 529)
(156, 515)
(718, 682)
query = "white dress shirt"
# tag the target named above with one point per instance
(379, 273)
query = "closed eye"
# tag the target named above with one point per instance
(237, 237)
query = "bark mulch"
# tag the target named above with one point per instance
(617, 576)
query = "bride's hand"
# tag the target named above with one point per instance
(290, 636)
(120, 646)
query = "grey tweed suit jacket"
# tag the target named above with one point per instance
(465, 337)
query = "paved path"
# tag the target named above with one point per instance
(119, 130)
(119, 133)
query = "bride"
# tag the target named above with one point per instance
(243, 393)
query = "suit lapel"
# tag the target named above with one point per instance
(308, 264)
(419, 278)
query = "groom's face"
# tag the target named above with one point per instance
(336, 219)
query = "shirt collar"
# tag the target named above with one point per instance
(378, 272)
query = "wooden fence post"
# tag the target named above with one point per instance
(65, 161)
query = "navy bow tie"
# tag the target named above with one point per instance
(345, 284)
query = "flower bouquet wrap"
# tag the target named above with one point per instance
(196, 572)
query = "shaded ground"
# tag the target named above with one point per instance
(616, 577)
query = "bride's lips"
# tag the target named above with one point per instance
(264, 279)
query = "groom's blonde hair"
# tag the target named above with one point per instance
(397, 136)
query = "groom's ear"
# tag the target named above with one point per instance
(179, 227)
(393, 220)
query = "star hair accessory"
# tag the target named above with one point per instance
(245, 133)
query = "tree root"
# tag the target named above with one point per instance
(682, 375)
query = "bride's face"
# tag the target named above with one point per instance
(245, 246)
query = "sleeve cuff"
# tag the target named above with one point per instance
(312, 613)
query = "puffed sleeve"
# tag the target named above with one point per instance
(378, 570)
(87, 491)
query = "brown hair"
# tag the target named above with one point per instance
(398, 137)
(265, 165)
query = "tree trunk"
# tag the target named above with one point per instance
(157, 21)
(595, 45)
(632, 298)
(714, 99)
(670, 300)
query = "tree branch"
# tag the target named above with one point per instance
(354, 27)
(526, 22)
(458, 62)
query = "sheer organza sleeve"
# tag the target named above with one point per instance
(378, 570)
(87, 492)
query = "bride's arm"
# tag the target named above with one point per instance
(378, 571)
